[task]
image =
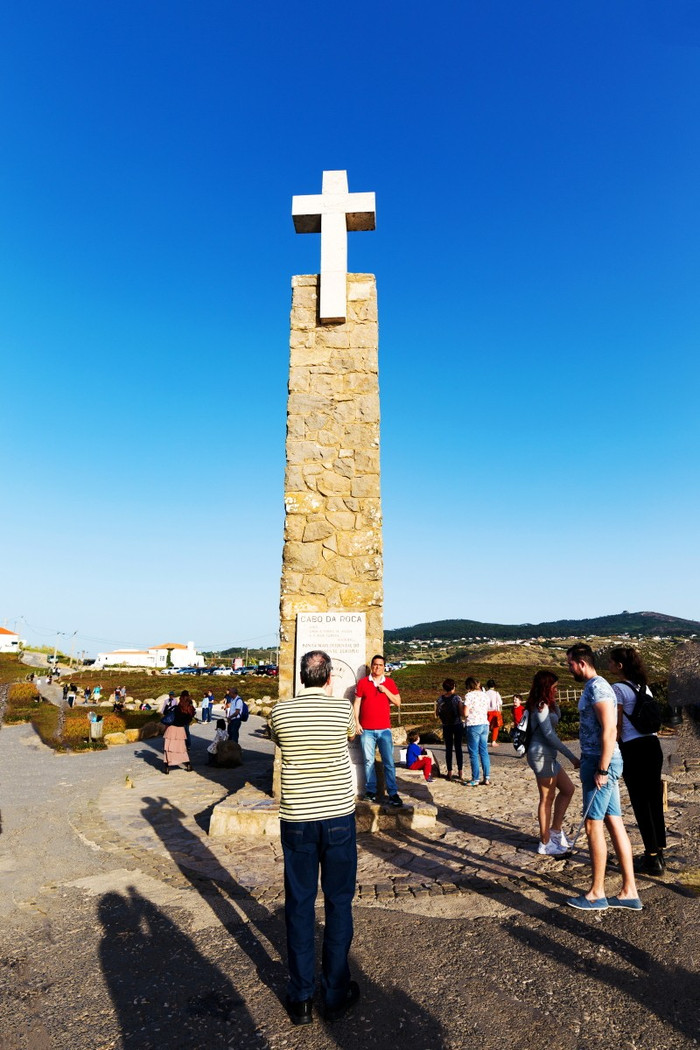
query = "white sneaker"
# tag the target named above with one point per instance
(551, 849)
(560, 839)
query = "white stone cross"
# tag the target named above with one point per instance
(332, 213)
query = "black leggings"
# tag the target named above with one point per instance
(643, 760)
(453, 737)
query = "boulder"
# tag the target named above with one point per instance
(113, 739)
(132, 735)
(150, 730)
(229, 754)
(399, 736)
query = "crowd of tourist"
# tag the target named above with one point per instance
(617, 739)
(317, 808)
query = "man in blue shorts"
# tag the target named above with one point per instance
(601, 767)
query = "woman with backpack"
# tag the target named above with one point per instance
(642, 757)
(554, 786)
(448, 708)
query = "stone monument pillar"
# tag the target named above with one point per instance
(332, 557)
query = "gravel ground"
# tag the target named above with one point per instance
(173, 958)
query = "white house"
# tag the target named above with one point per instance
(9, 641)
(157, 657)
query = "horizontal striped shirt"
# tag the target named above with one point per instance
(312, 730)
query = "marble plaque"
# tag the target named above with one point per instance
(342, 635)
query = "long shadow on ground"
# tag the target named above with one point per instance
(260, 934)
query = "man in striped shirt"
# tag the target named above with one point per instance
(317, 814)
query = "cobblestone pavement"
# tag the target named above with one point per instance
(484, 836)
(95, 848)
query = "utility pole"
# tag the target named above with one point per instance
(72, 646)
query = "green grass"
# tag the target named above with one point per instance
(11, 670)
(143, 686)
(76, 727)
(23, 706)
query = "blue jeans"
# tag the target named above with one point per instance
(306, 844)
(206, 714)
(378, 738)
(234, 729)
(477, 745)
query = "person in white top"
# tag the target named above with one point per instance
(234, 715)
(495, 710)
(475, 708)
(643, 761)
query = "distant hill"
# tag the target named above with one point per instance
(639, 623)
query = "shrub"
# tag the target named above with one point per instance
(23, 691)
(76, 726)
(45, 720)
(22, 703)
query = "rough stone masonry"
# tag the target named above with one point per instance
(332, 556)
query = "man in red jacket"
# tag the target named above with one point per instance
(373, 696)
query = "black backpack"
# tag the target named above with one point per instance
(522, 734)
(449, 705)
(646, 716)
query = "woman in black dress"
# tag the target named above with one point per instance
(643, 760)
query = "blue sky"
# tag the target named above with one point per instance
(537, 252)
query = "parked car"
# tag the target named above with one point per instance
(269, 670)
(223, 671)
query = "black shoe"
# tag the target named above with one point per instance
(166, 767)
(369, 796)
(188, 767)
(351, 997)
(301, 1011)
(394, 800)
(649, 864)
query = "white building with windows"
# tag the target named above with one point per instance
(10, 642)
(156, 657)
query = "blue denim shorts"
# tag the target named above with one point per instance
(606, 801)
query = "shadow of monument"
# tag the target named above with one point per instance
(164, 991)
(654, 984)
(260, 932)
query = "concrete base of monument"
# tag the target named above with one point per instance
(415, 814)
(253, 814)
(248, 812)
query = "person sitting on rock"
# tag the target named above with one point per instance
(220, 737)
